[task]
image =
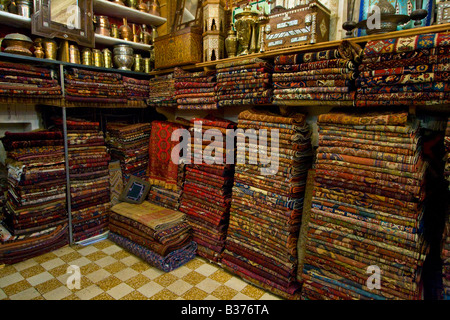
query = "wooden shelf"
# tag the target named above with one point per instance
(14, 20)
(112, 9)
(110, 41)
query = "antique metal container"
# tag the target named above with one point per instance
(123, 56)
(97, 57)
(125, 31)
(107, 58)
(86, 57)
(247, 30)
(102, 25)
(17, 43)
(74, 54)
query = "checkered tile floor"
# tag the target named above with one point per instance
(110, 273)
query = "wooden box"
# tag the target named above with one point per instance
(179, 48)
(305, 24)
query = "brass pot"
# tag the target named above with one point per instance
(142, 6)
(74, 54)
(231, 43)
(132, 3)
(154, 7)
(50, 49)
(138, 63)
(107, 58)
(97, 57)
(38, 50)
(102, 25)
(246, 29)
(115, 31)
(24, 8)
(4, 4)
(86, 57)
(145, 36)
(125, 31)
(17, 43)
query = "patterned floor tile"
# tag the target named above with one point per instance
(194, 294)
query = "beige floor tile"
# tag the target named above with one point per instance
(241, 296)
(80, 262)
(58, 271)
(10, 279)
(53, 263)
(87, 250)
(97, 255)
(2, 295)
(25, 264)
(208, 285)
(98, 275)
(181, 271)
(130, 260)
(211, 297)
(119, 291)
(89, 292)
(179, 287)
(207, 269)
(126, 274)
(27, 294)
(111, 250)
(150, 289)
(103, 262)
(152, 273)
(269, 296)
(40, 278)
(236, 283)
(63, 251)
(58, 293)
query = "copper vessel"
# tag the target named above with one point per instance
(102, 25)
(125, 31)
(142, 6)
(17, 43)
(154, 7)
(38, 50)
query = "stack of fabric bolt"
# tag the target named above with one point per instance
(445, 253)
(367, 208)
(19, 80)
(267, 201)
(137, 91)
(158, 235)
(317, 78)
(162, 91)
(244, 82)
(35, 211)
(405, 71)
(89, 178)
(207, 188)
(165, 173)
(87, 86)
(129, 144)
(195, 90)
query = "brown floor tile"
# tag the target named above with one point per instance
(59, 271)
(194, 294)
(103, 296)
(48, 286)
(45, 257)
(165, 279)
(164, 294)
(140, 266)
(115, 267)
(94, 256)
(137, 281)
(32, 271)
(103, 244)
(221, 276)
(108, 283)
(16, 287)
(194, 263)
(194, 277)
(224, 293)
(71, 256)
(135, 295)
(73, 296)
(120, 254)
(6, 270)
(88, 268)
(253, 292)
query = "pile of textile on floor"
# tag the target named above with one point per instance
(137, 91)
(365, 232)
(129, 143)
(19, 80)
(267, 201)
(160, 236)
(89, 178)
(207, 187)
(165, 173)
(162, 91)
(445, 251)
(317, 78)
(244, 82)
(88, 86)
(405, 71)
(195, 90)
(35, 217)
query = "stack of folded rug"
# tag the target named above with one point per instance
(137, 90)
(317, 78)
(165, 172)
(195, 90)
(409, 70)
(88, 86)
(158, 235)
(364, 237)
(19, 80)
(207, 187)
(162, 91)
(129, 144)
(35, 217)
(89, 178)
(244, 82)
(267, 200)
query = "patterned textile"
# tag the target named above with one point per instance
(162, 91)
(195, 90)
(404, 71)
(34, 215)
(252, 75)
(445, 245)
(318, 78)
(27, 81)
(207, 190)
(172, 261)
(366, 209)
(266, 204)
